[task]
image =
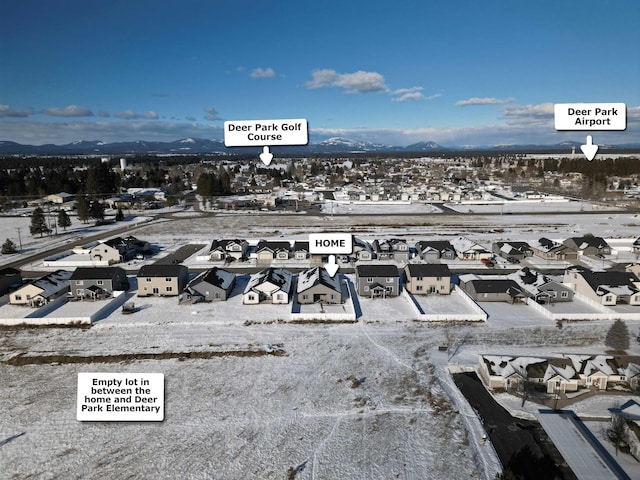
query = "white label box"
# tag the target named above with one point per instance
(120, 397)
(261, 133)
(336, 243)
(590, 116)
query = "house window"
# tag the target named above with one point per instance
(279, 297)
(251, 297)
(432, 289)
(305, 297)
(485, 295)
(366, 288)
(439, 279)
(18, 298)
(564, 294)
(167, 279)
(419, 279)
(79, 282)
(169, 289)
(148, 280)
(608, 298)
(390, 280)
(100, 282)
(369, 280)
(333, 297)
(419, 288)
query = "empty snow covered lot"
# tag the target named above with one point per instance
(346, 401)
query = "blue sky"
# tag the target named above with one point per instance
(455, 72)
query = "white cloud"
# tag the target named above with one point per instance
(263, 73)
(211, 114)
(484, 101)
(7, 111)
(529, 114)
(411, 94)
(190, 118)
(356, 82)
(131, 115)
(69, 111)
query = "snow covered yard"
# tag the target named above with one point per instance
(346, 401)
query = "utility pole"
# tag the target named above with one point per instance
(19, 238)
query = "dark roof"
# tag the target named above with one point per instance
(518, 246)
(440, 245)
(497, 286)
(218, 277)
(584, 242)
(377, 270)
(275, 246)
(160, 270)
(8, 271)
(98, 273)
(224, 243)
(428, 270)
(298, 246)
(608, 279)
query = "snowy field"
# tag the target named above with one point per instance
(365, 400)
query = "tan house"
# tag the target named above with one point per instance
(162, 280)
(428, 279)
(103, 252)
(43, 290)
(607, 288)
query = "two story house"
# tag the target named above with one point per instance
(427, 279)
(162, 280)
(97, 282)
(377, 280)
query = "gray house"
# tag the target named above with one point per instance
(500, 290)
(542, 288)
(317, 286)
(377, 280)
(517, 250)
(431, 250)
(97, 282)
(391, 249)
(214, 284)
(589, 246)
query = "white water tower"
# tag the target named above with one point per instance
(123, 164)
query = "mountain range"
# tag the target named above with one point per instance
(189, 146)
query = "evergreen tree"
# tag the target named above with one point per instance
(618, 336)
(38, 223)
(83, 209)
(119, 215)
(101, 179)
(63, 220)
(9, 247)
(96, 210)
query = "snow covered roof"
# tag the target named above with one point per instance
(464, 244)
(506, 366)
(315, 276)
(216, 276)
(278, 277)
(53, 282)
